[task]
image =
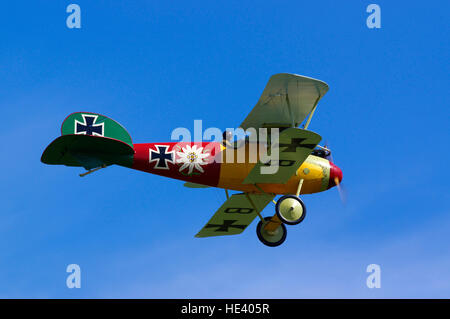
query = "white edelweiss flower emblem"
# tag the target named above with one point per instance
(192, 158)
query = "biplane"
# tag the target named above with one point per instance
(94, 141)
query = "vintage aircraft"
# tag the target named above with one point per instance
(94, 141)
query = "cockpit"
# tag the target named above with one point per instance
(229, 140)
(321, 152)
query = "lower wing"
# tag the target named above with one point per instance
(235, 214)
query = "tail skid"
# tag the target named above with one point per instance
(92, 170)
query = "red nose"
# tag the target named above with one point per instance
(335, 175)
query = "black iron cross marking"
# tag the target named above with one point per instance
(296, 142)
(88, 127)
(161, 157)
(226, 224)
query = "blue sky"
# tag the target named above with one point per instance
(154, 66)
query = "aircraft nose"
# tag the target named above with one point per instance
(335, 175)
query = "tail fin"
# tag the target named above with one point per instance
(90, 140)
(85, 123)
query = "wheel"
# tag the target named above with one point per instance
(271, 239)
(290, 210)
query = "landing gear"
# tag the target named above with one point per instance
(290, 210)
(271, 238)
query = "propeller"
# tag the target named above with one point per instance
(341, 190)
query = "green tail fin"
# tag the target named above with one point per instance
(90, 140)
(85, 123)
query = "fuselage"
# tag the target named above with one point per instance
(206, 163)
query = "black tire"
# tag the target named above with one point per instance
(280, 216)
(264, 237)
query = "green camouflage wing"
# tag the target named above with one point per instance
(295, 145)
(235, 215)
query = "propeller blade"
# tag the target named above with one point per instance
(341, 190)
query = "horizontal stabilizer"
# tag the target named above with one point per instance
(87, 151)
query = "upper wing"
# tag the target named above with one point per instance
(294, 147)
(235, 215)
(286, 101)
